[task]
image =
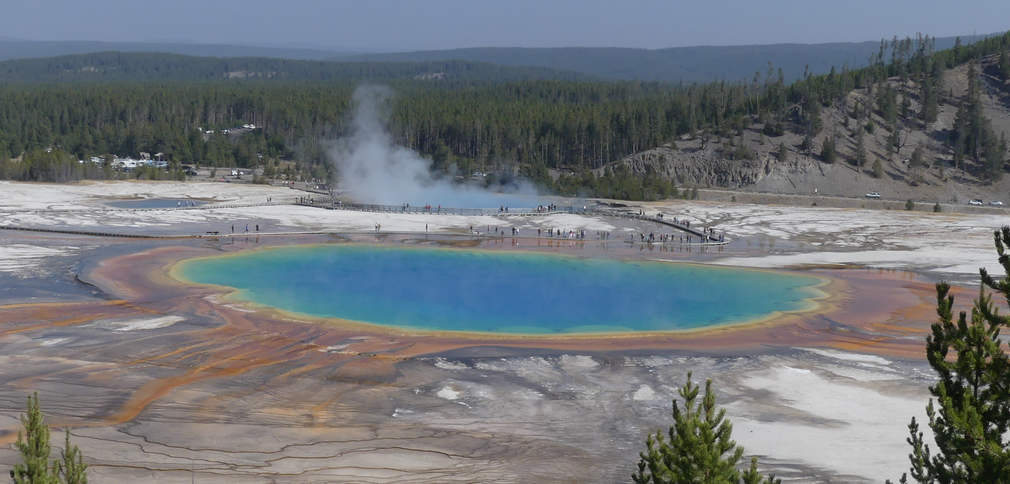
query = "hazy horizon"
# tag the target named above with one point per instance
(404, 25)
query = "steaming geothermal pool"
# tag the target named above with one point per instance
(497, 292)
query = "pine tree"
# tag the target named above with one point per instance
(71, 467)
(828, 153)
(33, 445)
(972, 393)
(783, 152)
(930, 103)
(994, 159)
(860, 155)
(893, 142)
(916, 161)
(700, 448)
(887, 103)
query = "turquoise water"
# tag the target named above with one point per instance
(499, 292)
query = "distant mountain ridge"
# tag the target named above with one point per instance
(687, 64)
(156, 66)
(26, 49)
(678, 64)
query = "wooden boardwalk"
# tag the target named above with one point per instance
(523, 212)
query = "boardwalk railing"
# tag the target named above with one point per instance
(658, 220)
(365, 207)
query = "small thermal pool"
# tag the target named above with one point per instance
(499, 292)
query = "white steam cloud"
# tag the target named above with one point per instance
(374, 170)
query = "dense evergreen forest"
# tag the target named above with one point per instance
(490, 123)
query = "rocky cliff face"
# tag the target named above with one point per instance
(699, 167)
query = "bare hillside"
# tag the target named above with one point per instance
(781, 164)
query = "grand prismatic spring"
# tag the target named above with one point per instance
(525, 293)
(317, 349)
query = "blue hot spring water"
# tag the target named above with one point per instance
(499, 292)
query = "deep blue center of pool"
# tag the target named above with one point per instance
(499, 292)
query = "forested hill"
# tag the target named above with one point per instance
(687, 64)
(145, 66)
(24, 49)
(570, 136)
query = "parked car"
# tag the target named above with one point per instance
(976, 201)
(996, 203)
(873, 195)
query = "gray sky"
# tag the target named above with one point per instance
(445, 24)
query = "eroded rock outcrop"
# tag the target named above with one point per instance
(699, 167)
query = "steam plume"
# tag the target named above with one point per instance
(374, 170)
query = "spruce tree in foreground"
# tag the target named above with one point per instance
(33, 445)
(71, 467)
(700, 449)
(973, 391)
